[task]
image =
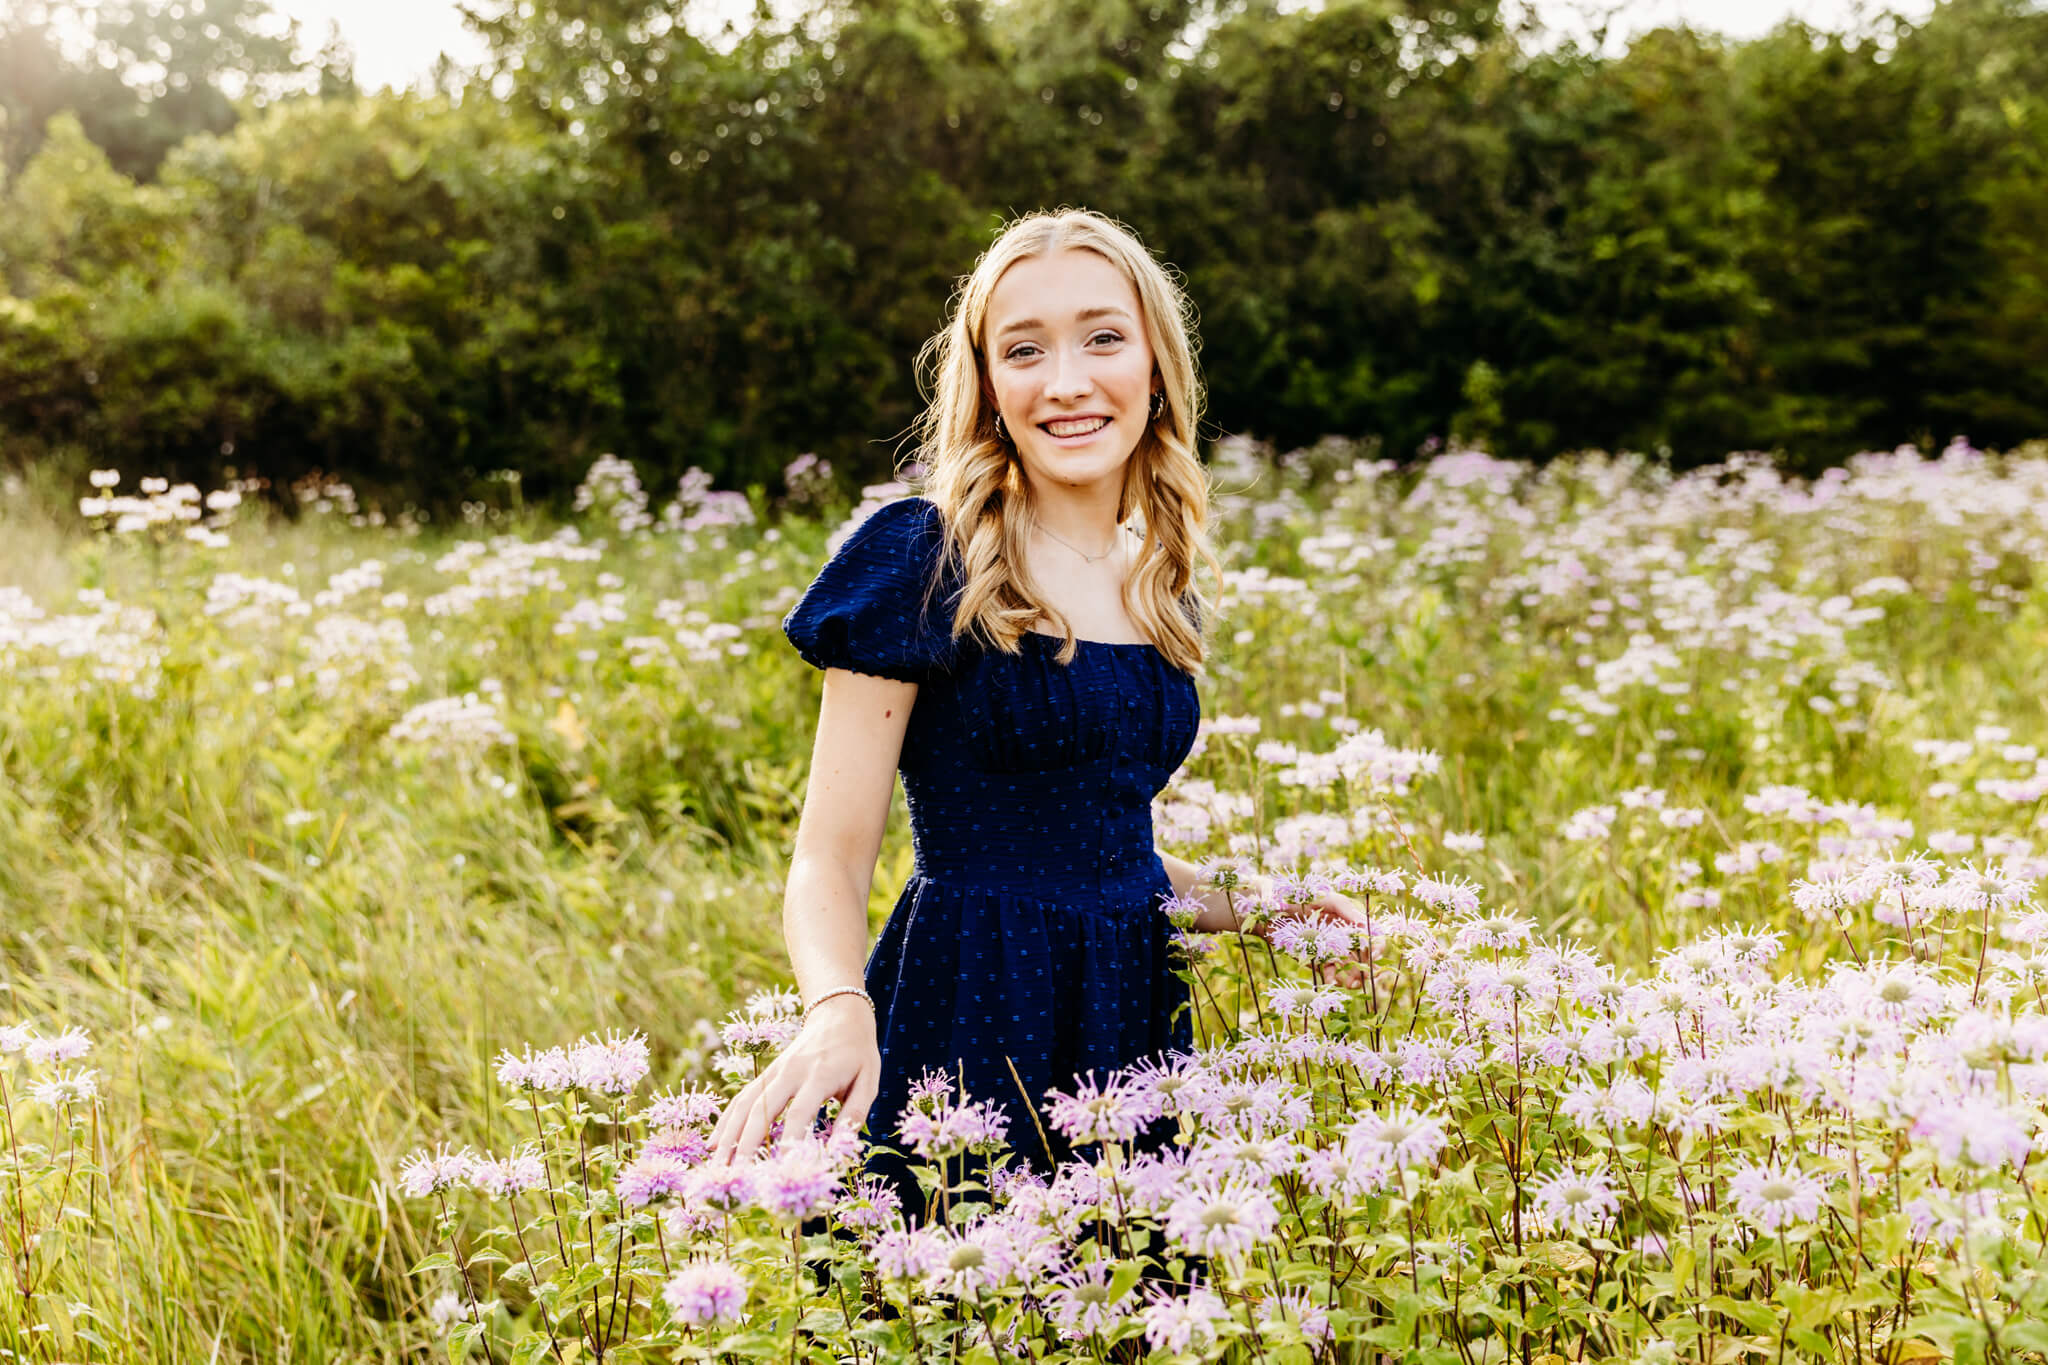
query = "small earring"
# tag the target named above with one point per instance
(1002, 432)
(1158, 403)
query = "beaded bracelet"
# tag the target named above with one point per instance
(843, 990)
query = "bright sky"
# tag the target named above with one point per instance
(396, 41)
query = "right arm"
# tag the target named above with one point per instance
(824, 916)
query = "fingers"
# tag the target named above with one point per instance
(726, 1131)
(801, 1118)
(1344, 910)
(853, 1110)
(1340, 973)
(746, 1119)
(755, 1126)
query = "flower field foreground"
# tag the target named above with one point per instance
(1501, 1140)
(1695, 818)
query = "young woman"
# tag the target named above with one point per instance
(1026, 657)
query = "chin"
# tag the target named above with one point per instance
(1080, 473)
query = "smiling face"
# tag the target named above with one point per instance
(1069, 367)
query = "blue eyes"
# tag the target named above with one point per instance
(1014, 352)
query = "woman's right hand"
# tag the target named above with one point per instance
(836, 1056)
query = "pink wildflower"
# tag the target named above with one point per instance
(1774, 1198)
(1227, 1217)
(509, 1175)
(424, 1173)
(1565, 1199)
(1177, 1324)
(1080, 1304)
(704, 1292)
(1114, 1112)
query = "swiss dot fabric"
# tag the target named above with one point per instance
(1029, 934)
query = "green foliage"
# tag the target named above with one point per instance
(717, 249)
(152, 72)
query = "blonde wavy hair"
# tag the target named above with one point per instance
(978, 485)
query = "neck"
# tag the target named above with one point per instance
(1084, 520)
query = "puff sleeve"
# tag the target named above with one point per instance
(868, 611)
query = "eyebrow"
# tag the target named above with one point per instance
(1026, 324)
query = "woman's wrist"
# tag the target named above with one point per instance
(1234, 911)
(842, 997)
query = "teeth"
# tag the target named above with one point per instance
(1076, 428)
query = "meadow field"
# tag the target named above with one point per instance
(1701, 814)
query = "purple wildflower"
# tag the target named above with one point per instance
(724, 1188)
(424, 1173)
(801, 1178)
(684, 1109)
(1772, 1197)
(871, 1206)
(909, 1253)
(1080, 1303)
(705, 1292)
(1177, 1324)
(1565, 1199)
(1308, 1316)
(67, 1046)
(944, 1132)
(1110, 1113)
(684, 1144)
(1225, 1217)
(1454, 894)
(1400, 1136)
(1976, 1131)
(651, 1176)
(509, 1175)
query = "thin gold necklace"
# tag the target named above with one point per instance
(1092, 559)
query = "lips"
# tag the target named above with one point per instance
(1074, 426)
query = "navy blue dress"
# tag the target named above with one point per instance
(1029, 933)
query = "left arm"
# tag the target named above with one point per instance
(1217, 916)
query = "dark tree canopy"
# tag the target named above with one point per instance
(634, 233)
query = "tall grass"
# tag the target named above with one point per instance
(297, 943)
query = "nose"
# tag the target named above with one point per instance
(1069, 379)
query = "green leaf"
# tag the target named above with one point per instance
(529, 1349)
(1760, 1318)
(1560, 1258)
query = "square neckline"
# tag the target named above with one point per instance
(1104, 644)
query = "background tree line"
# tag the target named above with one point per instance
(1398, 218)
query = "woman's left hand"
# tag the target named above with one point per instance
(1343, 910)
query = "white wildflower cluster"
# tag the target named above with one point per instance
(323, 494)
(242, 602)
(1193, 806)
(51, 1082)
(464, 725)
(162, 505)
(592, 614)
(346, 651)
(698, 506)
(808, 478)
(346, 584)
(1645, 583)
(701, 639)
(107, 643)
(507, 570)
(1366, 759)
(612, 489)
